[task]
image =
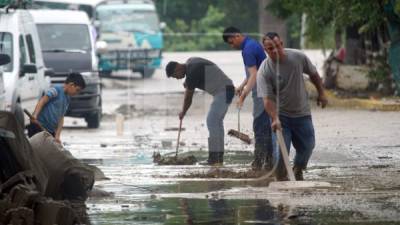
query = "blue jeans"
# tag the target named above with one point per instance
(215, 119)
(298, 131)
(262, 126)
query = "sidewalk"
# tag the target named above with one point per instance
(384, 104)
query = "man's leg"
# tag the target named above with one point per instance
(303, 137)
(215, 126)
(263, 146)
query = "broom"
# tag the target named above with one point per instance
(237, 134)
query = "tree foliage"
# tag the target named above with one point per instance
(322, 16)
(197, 25)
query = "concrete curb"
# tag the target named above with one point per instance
(384, 104)
(391, 104)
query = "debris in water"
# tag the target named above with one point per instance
(166, 144)
(225, 173)
(173, 129)
(172, 160)
(126, 109)
(103, 145)
(384, 157)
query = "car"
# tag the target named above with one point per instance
(4, 59)
(24, 76)
(68, 46)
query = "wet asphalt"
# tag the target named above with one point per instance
(356, 152)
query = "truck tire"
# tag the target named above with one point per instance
(147, 72)
(19, 115)
(93, 120)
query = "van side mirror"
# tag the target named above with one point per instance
(49, 72)
(4, 59)
(101, 47)
(28, 68)
(97, 24)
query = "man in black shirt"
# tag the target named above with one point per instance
(205, 75)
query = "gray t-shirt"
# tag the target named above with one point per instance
(205, 75)
(293, 97)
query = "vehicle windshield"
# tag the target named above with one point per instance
(60, 5)
(64, 38)
(6, 45)
(130, 20)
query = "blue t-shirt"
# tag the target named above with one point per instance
(253, 55)
(55, 109)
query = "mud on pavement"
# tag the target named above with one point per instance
(356, 151)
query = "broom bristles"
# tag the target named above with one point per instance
(241, 136)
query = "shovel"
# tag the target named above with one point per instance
(31, 117)
(179, 136)
(292, 183)
(174, 160)
(237, 134)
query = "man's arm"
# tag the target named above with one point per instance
(251, 81)
(317, 82)
(58, 130)
(42, 102)
(187, 102)
(270, 107)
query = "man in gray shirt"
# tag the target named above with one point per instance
(293, 114)
(205, 75)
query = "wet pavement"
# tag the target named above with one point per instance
(356, 151)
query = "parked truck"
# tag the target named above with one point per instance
(132, 35)
(128, 32)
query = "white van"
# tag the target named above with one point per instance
(24, 78)
(4, 59)
(68, 46)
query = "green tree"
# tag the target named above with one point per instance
(198, 25)
(198, 35)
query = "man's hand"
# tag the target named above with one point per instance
(57, 140)
(242, 97)
(276, 125)
(181, 115)
(239, 90)
(34, 120)
(322, 101)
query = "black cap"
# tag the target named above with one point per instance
(170, 69)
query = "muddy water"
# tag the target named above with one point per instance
(357, 152)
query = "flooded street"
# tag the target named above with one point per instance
(356, 151)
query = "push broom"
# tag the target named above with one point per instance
(237, 134)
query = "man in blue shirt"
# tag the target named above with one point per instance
(253, 55)
(50, 110)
